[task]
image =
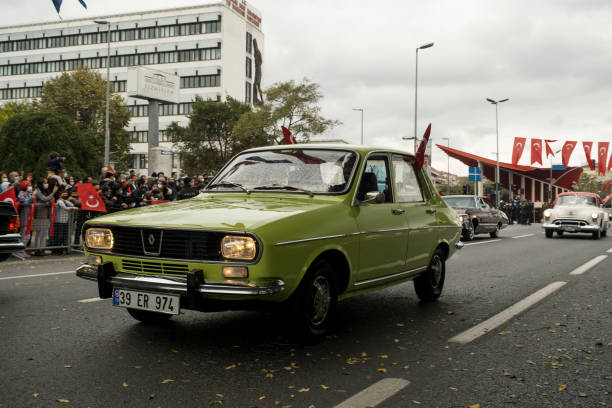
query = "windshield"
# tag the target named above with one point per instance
(460, 202)
(306, 170)
(576, 200)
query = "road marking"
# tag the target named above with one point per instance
(375, 393)
(483, 242)
(523, 236)
(37, 275)
(96, 299)
(505, 315)
(609, 250)
(582, 269)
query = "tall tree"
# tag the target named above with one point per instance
(10, 109)
(80, 95)
(296, 106)
(208, 141)
(27, 139)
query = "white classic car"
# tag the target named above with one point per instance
(576, 212)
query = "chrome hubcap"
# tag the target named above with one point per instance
(321, 300)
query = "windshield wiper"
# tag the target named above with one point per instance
(283, 187)
(229, 184)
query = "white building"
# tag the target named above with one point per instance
(211, 47)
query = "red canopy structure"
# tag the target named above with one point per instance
(535, 180)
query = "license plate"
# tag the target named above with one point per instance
(153, 302)
(571, 229)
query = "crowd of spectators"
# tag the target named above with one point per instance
(48, 227)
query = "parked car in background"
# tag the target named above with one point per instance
(10, 239)
(576, 212)
(477, 216)
(292, 227)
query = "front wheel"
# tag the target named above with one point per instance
(494, 234)
(597, 234)
(549, 233)
(149, 317)
(428, 286)
(468, 234)
(560, 233)
(4, 257)
(314, 303)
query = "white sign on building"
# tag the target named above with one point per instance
(147, 83)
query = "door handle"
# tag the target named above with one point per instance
(397, 211)
(431, 210)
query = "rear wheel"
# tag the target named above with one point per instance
(428, 286)
(149, 317)
(314, 303)
(597, 234)
(549, 233)
(494, 234)
(468, 234)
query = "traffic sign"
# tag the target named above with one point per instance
(475, 174)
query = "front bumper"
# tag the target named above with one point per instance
(571, 228)
(192, 286)
(10, 243)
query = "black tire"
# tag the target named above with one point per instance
(4, 257)
(429, 285)
(604, 233)
(494, 234)
(560, 233)
(149, 317)
(597, 234)
(468, 235)
(313, 305)
(549, 233)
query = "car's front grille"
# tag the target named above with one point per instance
(175, 244)
(152, 267)
(570, 222)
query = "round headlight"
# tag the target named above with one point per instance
(99, 238)
(547, 213)
(594, 216)
(238, 247)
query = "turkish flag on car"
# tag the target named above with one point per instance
(549, 151)
(517, 150)
(536, 151)
(419, 157)
(587, 151)
(9, 197)
(289, 139)
(568, 148)
(90, 199)
(602, 155)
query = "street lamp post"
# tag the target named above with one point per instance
(360, 110)
(416, 82)
(107, 120)
(497, 149)
(551, 177)
(447, 164)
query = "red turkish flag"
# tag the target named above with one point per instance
(610, 163)
(536, 151)
(419, 157)
(568, 148)
(90, 199)
(549, 151)
(587, 151)
(289, 139)
(517, 150)
(9, 197)
(602, 155)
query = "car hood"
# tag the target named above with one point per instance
(220, 211)
(575, 211)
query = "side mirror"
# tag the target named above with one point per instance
(374, 196)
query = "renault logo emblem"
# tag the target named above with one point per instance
(151, 239)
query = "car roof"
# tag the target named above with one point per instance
(579, 193)
(461, 195)
(332, 146)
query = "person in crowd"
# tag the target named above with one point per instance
(63, 208)
(25, 197)
(5, 183)
(42, 215)
(167, 193)
(55, 162)
(188, 190)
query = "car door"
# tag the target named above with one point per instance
(414, 199)
(383, 232)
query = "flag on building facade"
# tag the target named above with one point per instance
(587, 151)
(568, 148)
(602, 155)
(517, 150)
(536, 151)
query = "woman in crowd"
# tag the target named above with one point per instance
(42, 214)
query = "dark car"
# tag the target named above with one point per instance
(476, 216)
(10, 240)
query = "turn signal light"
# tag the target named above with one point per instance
(233, 272)
(13, 224)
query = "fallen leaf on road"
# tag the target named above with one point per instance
(324, 386)
(530, 362)
(67, 366)
(383, 356)
(453, 388)
(502, 333)
(125, 385)
(304, 390)
(151, 396)
(167, 380)
(474, 406)
(230, 367)
(62, 401)
(382, 370)
(561, 387)
(269, 375)
(416, 402)
(35, 395)
(262, 397)
(174, 351)
(582, 394)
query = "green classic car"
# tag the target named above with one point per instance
(294, 227)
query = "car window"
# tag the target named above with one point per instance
(576, 200)
(407, 187)
(483, 204)
(460, 202)
(375, 177)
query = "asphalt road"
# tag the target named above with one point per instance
(63, 347)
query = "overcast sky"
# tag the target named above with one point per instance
(553, 59)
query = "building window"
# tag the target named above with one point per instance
(201, 81)
(164, 136)
(139, 161)
(119, 86)
(176, 161)
(247, 93)
(141, 136)
(249, 67)
(249, 43)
